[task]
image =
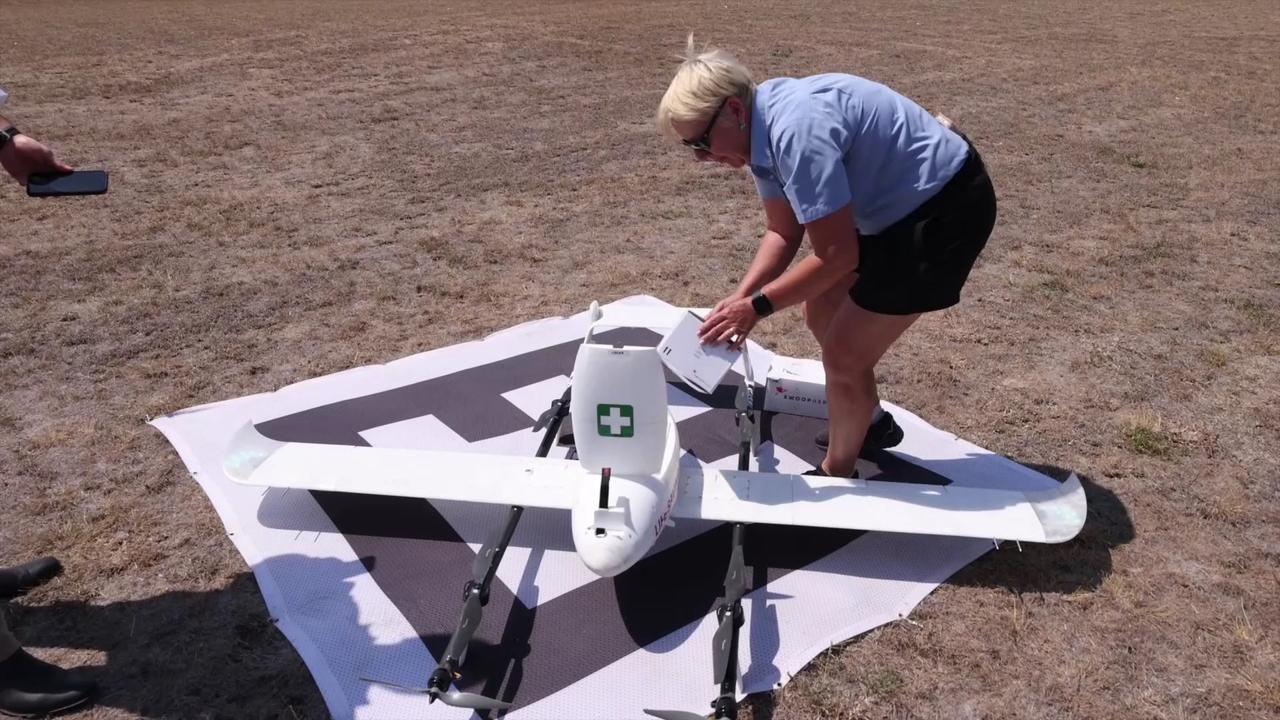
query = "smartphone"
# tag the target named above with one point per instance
(79, 182)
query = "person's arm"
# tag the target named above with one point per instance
(809, 170)
(835, 255)
(24, 155)
(782, 239)
(835, 247)
(811, 158)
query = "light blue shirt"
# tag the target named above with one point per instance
(826, 141)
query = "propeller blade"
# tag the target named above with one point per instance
(720, 650)
(675, 715)
(398, 686)
(545, 418)
(471, 701)
(735, 579)
(480, 566)
(472, 612)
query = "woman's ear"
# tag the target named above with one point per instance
(739, 111)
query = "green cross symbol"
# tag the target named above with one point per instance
(615, 420)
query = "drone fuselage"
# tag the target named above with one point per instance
(630, 453)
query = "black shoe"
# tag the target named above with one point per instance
(18, 580)
(30, 687)
(883, 433)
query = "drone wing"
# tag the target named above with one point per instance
(255, 459)
(1048, 516)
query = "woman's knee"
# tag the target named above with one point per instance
(814, 318)
(844, 360)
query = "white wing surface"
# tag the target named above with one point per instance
(254, 459)
(1047, 516)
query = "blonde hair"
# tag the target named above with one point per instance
(705, 78)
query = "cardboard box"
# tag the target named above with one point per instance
(701, 366)
(796, 387)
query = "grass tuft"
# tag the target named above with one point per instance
(1258, 315)
(884, 683)
(1216, 357)
(1145, 435)
(1055, 286)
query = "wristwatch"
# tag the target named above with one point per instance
(761, 304)
(8, 134)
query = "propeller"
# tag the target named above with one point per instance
(675, 715)
(471, 701)
(475, 593)
(730, 613)
(455, 652)
(544, 420)
(454, 698)
(735, 578)
(724, 643)
(485, 559)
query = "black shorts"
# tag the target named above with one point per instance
(919, 263)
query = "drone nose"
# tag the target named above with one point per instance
(606, 555)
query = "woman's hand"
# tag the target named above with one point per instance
(25, 155)
(731, 321)
(726, 301)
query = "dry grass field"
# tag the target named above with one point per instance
(303, 187)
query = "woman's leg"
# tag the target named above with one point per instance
(818, 311)
(854, 342)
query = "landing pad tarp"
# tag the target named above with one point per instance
(371, 587)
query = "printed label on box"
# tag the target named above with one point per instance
(796, 387)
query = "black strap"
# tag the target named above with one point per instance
(760, 303)
(8, 134)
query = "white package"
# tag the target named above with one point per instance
(797, 387)
(702, 366)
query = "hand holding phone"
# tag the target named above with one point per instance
(76, 182)
(22, 156)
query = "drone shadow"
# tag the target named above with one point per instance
(772, 551)
(213, 653)
(1081, 564)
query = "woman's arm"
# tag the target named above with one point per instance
(835, 254)
(23, 155)
(782, 238)
(835, 247)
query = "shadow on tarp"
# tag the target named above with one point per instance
(187, 654)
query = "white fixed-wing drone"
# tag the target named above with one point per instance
(627, 483)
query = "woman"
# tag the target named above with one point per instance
(896, 207)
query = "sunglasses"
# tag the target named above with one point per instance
(703, 144)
